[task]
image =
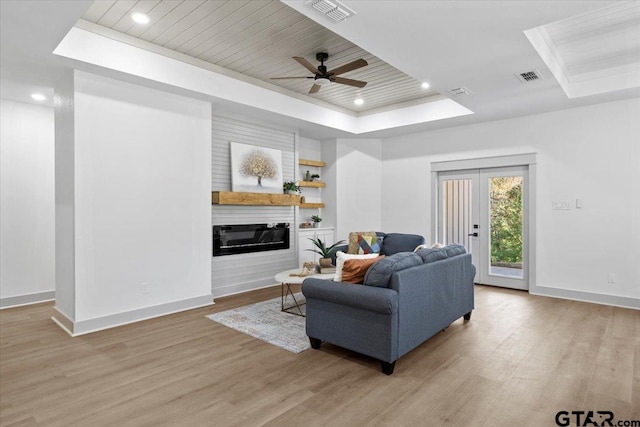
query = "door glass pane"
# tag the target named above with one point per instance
(457, 212)
(505, 204)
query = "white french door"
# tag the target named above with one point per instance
(485, 210)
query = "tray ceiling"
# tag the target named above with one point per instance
(258, 39)
(594, 52)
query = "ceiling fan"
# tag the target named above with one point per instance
(322, 77)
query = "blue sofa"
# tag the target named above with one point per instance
(424, 293)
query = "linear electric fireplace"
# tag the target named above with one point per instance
(242, 239)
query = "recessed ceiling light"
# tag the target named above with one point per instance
(140, 18)
(425, 85)
(359, 101)
(38, 96)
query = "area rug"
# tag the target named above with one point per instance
(265, 321)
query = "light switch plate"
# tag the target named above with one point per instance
(560, 205)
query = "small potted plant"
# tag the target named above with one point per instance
(316, 220)
(315, 177)
(290, 187)
(325, 252)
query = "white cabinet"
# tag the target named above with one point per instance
(325, 234)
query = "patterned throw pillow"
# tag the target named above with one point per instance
(354, 270)
(363, 243)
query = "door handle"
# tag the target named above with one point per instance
(473, 234)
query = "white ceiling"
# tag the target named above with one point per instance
(477, 44)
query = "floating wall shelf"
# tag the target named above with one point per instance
(314, 184)
(314, 163)
(311, 205)
(255, 199)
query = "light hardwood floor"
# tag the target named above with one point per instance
(518, 361)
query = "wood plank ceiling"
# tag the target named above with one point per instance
(258, 38)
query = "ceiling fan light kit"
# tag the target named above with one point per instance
(322, 77)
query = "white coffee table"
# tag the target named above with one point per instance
(286, 281)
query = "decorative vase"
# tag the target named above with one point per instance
(307, 176)
(325, 262)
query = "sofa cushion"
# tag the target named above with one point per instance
(341, 257)
(430, 254)
(455, 249)
(360, 242)
(400, 242)
(380, 273)
(354, 270)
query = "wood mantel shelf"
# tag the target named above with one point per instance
(256, 199)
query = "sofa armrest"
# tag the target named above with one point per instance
(432, 296)
(379, 300)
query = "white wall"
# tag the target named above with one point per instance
(65, 197)
(354, 184)
(589, 153)
(309, 149)
(142, 202)
(27, 236)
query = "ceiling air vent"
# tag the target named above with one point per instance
(459, 91)
(529, 76)
(333, 9)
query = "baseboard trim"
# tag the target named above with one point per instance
(83, 327)
(239, 288)
(613, 300)
(17, 301)
(62, 320)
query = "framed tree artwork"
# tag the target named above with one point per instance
(255, 169)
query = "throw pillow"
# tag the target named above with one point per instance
(380, 273)
(341, 257)
(455, 249)
(430, 254)
(400, 242)
(354, 270)
(360, 242)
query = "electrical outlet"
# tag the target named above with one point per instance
(145, 288)
(612, 277)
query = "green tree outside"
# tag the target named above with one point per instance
(506, 220)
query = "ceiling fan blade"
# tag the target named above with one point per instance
(314, 88)
(350, 82)
(282, 78)
(306, 64)
(358, 63)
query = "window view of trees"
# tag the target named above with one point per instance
(506, 221)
